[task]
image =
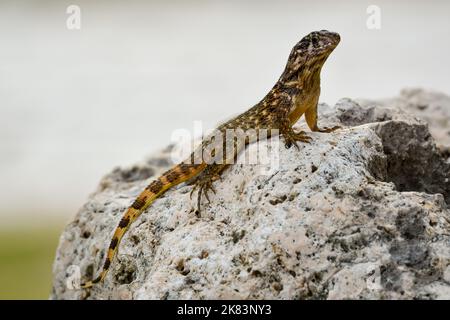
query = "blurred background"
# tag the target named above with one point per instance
(74, 103)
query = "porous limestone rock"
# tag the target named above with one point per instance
(361, 213)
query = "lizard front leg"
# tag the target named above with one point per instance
(290, 136)
(204, 182)
(311, 120)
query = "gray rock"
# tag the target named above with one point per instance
(361, 213)
(433, 107)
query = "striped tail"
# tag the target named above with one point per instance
(174, 176)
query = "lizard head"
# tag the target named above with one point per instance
(310, 53)
(316, 45)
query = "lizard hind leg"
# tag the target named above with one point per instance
(203, 184)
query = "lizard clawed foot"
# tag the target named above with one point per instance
(327, 130)
(204, 185)
(302, 136)
(292, 138)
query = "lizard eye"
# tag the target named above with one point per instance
(315, 41)
(303, 45)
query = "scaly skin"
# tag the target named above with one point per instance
(295, 93)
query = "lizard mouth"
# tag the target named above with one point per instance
(332, 39)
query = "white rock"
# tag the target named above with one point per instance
(360, 213)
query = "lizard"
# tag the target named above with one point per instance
(296, 93)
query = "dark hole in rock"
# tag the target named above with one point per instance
(86, 234)
(410, 223)
(204, 254)
(237, 235)
(127, 271)
(277, 286)
(89, 271)
(278, 200)
(413, 161)
(257, 273)
(135, 239)
(445, 151)
(182, 268)
(390, 277)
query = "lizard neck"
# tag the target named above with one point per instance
(307, 82)
(300, 92)
(307, 94)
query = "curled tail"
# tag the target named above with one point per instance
(156, 188)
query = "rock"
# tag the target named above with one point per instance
(361, 213)
(433, 107)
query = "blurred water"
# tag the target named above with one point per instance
(74, 104)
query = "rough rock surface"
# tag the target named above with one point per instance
(361, 213)
(433, 107)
